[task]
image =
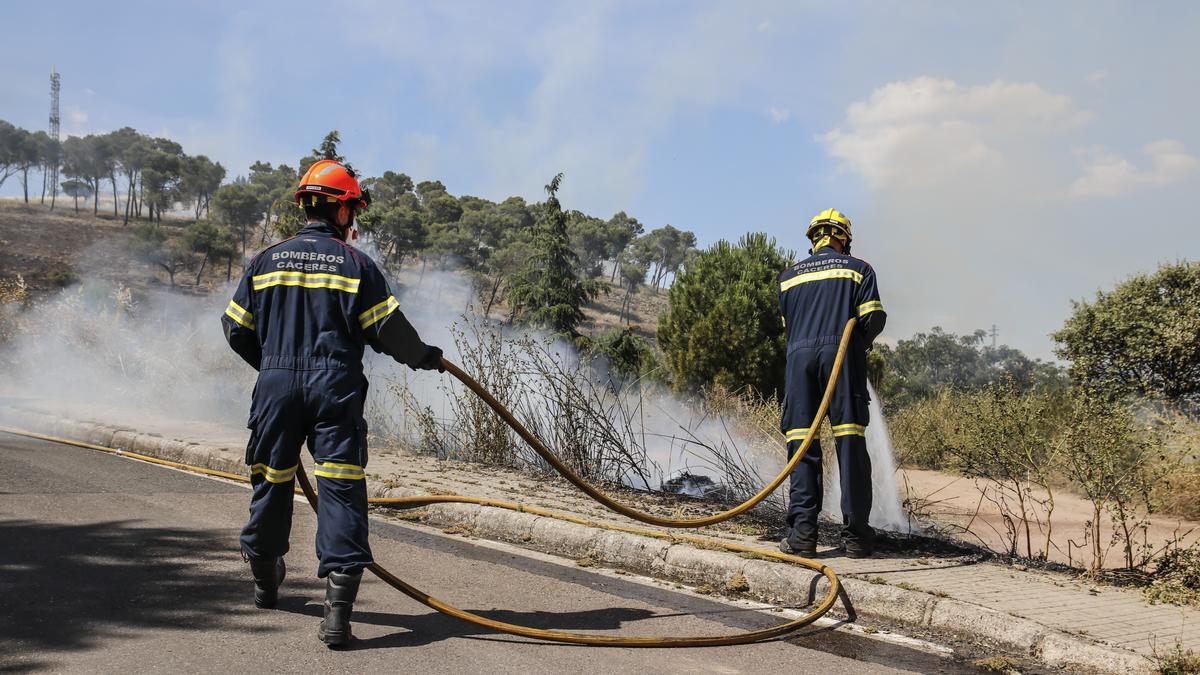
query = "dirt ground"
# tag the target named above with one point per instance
(647, 305)
(54, 249)
(51, 249)
(962, 506)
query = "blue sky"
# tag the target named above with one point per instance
(998, 159)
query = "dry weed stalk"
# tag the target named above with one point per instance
(605, 427)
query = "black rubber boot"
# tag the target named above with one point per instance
(858, 549)
(801, 540)
(268, 575)
(340, 593)
(859, 542)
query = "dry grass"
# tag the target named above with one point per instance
(52, 249)
(1177, 661)
(738, 584)
(1178, 494)
(14, 301)
(588, 421)
(609, 430)
(996, 664)
(647, 305)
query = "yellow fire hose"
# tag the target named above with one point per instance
(563, 636)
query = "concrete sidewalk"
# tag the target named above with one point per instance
(1053, 617)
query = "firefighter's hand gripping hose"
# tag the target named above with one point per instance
(563, 636)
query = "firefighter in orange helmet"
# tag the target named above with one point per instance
(302, 315)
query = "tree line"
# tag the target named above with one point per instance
(146, 175)
(519, 253)
(511, 247)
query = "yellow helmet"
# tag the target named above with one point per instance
(833, 218)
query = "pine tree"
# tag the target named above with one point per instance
(547, 291)
(722, 326)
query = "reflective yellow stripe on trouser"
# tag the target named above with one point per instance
(849, 430)
(838, 430)
(272, 474)
(338, 470)
(796, 434)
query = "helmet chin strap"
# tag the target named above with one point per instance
(350, 229)
(825, 241)
(825, 237)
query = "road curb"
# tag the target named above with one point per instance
(680, 562)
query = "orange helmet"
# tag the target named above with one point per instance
(330, 181)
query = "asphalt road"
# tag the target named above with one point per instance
(113, 565)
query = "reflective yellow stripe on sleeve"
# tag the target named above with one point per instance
(304, 280)
(273, 475)
(239, 315)
(856, 277)
(373, 315)
(868, 307)
(849, 430)
(338, 470)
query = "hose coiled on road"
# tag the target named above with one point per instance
(595, 493)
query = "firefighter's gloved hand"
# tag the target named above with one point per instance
(432, 360)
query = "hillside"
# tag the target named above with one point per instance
(51, 250)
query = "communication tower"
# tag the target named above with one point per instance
(50, 176)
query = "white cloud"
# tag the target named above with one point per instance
(423, 152)
(929, 132)
(76, 122)
(1107, 174)
(1097, 76)
(778, 115)
(602, 89)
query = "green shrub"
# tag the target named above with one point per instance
(920, 431)
(1178, 493)
(1140, 339)
(1176, 578)
(723, 326)
(1115, 461)
(1004, 436)
(61, 277)
(629, 354)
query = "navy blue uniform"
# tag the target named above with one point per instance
(818, 295)
(302, 314)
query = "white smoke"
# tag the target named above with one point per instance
(676, 434)
(100, 343)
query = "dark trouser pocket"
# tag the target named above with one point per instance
(362, 442)
(252, 444)
(862, 409)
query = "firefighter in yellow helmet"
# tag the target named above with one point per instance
(817, 296)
